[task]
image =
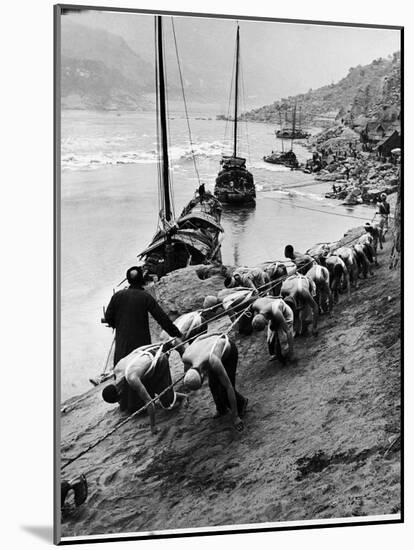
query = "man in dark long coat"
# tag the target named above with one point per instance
(127, 313)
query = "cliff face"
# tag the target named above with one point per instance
(317, 433)
(372, 91)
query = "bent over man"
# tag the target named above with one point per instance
(320, 276)
(216, 356)
(138, 377)
(299, 291)
(279, 318)
(348, 256)
(338, 272)
(247, 277)
(303, 262)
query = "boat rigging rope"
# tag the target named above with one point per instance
(157, 118)
(244, 105)
(185, 102)
(230, 96)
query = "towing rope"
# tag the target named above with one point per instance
(328, 212)
(153, 400)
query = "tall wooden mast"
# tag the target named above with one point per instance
(293, 125)
(165, 173)
(236, 98)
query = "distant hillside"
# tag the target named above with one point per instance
(100, 71)
(89, 84)
(371, 91)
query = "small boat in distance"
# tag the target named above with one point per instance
(234, 183)
(285, 158)
(195, 236)
(296, 131)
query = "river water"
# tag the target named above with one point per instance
(109, 212)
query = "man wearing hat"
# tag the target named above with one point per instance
(128, 311)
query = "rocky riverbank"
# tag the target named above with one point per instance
(359, 175)
(317, 441)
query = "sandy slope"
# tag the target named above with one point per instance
(316, 432)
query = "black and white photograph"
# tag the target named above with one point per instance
(228, 270)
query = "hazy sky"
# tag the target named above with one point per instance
(279, 59)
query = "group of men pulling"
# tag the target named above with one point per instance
(285, 297)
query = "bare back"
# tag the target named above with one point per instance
(198, 354)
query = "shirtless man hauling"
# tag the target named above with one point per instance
(276, 272)
(247, 277)
(338, 272)
(320, 276)
(234, 301)
(367, 241)
(191, 324)
(364, 263)
(279, 318)
(376, 233)
(299, 291)
(303, 262)
(138, 377)
(348, 256)
(216, 356)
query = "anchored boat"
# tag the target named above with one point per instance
(234, 183)
(195, 236)
(296, 131)
(285, 158)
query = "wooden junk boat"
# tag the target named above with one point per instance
(296, 131)
(285, 158)
(234, 183)
(195, 236)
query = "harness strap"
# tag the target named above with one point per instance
(225, 336)
(147, 353)
(195, 320)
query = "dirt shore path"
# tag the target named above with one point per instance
(315, 443)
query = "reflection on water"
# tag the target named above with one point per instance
(236, 222)
(295, 217)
